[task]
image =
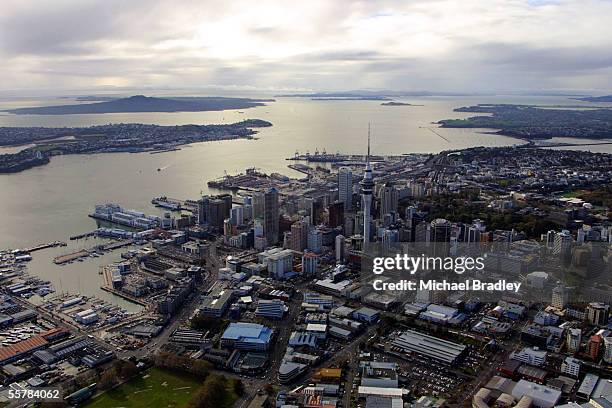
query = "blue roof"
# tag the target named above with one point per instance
(251, 332)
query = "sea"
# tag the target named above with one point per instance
(52, 202)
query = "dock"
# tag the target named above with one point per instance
(302, 168)
(43, 246)
(175, 204)
(108, 287)
(334, 158)
(62, 259)
(117, 245)
(85, 235)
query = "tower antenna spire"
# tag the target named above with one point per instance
(368, 156)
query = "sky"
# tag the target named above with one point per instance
(314, 45)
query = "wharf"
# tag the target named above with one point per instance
(334, 158)
(62, 259)
(108, 287)
(43, 246)
(85, 235)
(175, 204)
(117, 245)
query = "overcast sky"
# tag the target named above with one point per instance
(459, 45)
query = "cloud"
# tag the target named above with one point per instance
(418, 44)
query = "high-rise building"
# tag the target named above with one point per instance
(315, 240)
(203, 210)
(299, 235)
(594, 346)
(340, 248)
(423, 233)
(257, 201)
(440, 230)
(271, 216)
(389, 197)
(574, 337)
(439, 237)
(608, 350)
(389, 237)
(563, 244)
(316, 210)
(336, 214)
(474, 231)
(367, 185)
(237, 215)
(310, 261)
(258, 228)
(559, 297)
(227, 227)
(345, 187)
(598, 313)
(219, 209)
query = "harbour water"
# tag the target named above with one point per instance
(51, 202)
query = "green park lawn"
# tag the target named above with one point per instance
(156, 388)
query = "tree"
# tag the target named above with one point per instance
(238, 387)
(126, 369)
(108, 379)
(212, 394)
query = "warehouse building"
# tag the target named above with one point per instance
(429, 346)
(247, 336)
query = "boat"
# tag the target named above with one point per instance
(44, 291)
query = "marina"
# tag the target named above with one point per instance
(91, 252)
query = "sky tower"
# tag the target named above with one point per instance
(367, 184)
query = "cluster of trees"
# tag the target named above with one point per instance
(216, 392)
(204, 323)
(601, 197)
(188, 365)
(120, 370)
(460, 210)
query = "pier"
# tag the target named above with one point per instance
(43, 246)
(175, 204)
(302, 168)
(324, 157)
(62, 259)
(83, 253)
(117, 245)
(85, 235)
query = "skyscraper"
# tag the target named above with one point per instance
(299, 235)
(367, 184)
(336, 214)
(271, 216)
(345, 187)
(258, 205)
(340, 248)
(315, 240)
(203, 210)
(389, 197)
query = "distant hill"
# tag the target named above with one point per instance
(141, 103)
(394, 103)
(606, 98)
